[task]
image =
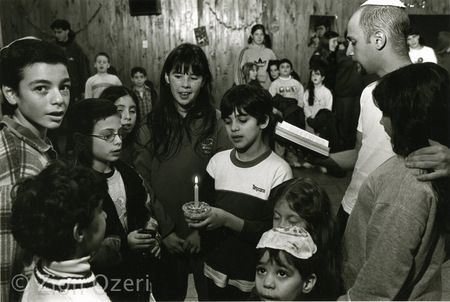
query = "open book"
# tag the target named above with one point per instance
(302, 138)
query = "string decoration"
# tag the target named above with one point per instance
(234, 27)
(22, 11)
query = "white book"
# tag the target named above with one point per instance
(302, 138)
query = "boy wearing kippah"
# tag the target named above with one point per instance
(286, 269)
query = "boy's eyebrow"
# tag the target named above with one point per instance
(44, 81)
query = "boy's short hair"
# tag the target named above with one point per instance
(46, 208)
(22, 53)
(102, 54)
(257, 102)
(286, 61)
(137, 69)
(60, 23)
(83, 115)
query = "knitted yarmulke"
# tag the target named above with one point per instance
(292, 239)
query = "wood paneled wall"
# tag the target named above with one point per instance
(106, 25)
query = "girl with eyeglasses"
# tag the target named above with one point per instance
(123, 255)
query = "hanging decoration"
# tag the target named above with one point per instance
(22, 12)
(234, 27)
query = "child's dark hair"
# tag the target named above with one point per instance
(82, 116)
(311, 202)
(112, 94)
(272, 63)
(304, 266)
(315, 68)
(286, 61)
(254, 29)
(416, 98)
(22, 53)
(137, 69)
(46, 207)
(60, 23)
(104, 54)
(167, 125)
(256, 102)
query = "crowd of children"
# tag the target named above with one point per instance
(105, 223)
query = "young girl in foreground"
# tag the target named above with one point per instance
(302, 202)
(287, 266)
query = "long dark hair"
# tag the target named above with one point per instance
(311, 84)
(168, 127)
(416, 98)
(113, 93)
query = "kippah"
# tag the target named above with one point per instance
(292, 239)
(82, 113)
(396, 3)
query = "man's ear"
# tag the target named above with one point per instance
(9, 94)
(78, 233)
(265, 123)
(380, 40)
(309, 283)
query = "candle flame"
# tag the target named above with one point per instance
(196, 180)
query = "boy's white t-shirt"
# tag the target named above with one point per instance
(425, 54)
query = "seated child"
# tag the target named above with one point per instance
(102, 79)
(287, 265)
(250, 74)
(58, 215)
(317, 96)
(126, 252)
(237, 184)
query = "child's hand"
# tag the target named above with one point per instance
(214, 219)
(174, 243)
(192, 243)
(137, 241)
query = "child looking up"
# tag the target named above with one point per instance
(58, 216)
(237, 185)
(35, 85)
(302, 202)
(287, 265)
(102, 79)
(144, 90)
(381, 260)
(98, 137)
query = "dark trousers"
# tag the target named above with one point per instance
(170, 280)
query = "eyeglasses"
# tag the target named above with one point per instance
(110, 137)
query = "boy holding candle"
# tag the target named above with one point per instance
(237, 186)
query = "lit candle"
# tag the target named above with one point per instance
(196, 192)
